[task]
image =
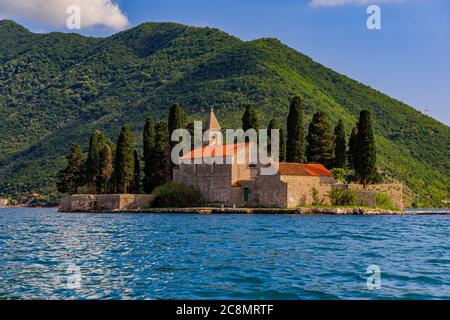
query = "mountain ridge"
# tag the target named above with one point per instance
(121, 78)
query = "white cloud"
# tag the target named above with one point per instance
(331, 3)
(54, 12)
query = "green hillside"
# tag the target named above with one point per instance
(57, 88)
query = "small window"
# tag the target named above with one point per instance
(246, 194)
(252, 165)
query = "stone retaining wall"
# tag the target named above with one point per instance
(105, 202)
(393, 190)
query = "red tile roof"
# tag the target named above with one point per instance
(299, 169)
(287, 169)
(215, 151)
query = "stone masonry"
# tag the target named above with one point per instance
(105, 202)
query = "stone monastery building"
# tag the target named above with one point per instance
(243, 185)
(231, 183)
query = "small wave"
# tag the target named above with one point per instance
(439, 261)
(428, 280)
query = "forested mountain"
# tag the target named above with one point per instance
(58, 88)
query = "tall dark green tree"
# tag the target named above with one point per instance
(71, 178)
(106, 170)
(160, 156)
(124, 162)
(353, 147)
(295, 147)
(149, 146)
(137, 173)
(191, 128)
(340, 146)
(250, 119)
(274, 124)
(366, 155)
(96, 143)
(177, 120)
(320, 139)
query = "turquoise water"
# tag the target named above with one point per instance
(44, 254)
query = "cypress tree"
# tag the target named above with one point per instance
(320, 139)
(94, 169)
(366, 155)
(191, 128)
(106, 169)
(353, 147)
(124, 162)
(160, 158)
(149, 146)
(250, 119)
(274, 124)
(70, 179)
(295, 151)
(137, 174)
(93, 165)
(177, 120)
(340, 146)
(93, 161)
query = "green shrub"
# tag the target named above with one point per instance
(176, 195)
(343, 197)
(342, 175)
(385, 202)
(316, 199)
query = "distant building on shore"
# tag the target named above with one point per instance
(4, 201)
(243, 185)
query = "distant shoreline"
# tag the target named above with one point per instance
(27, 207)
(427, 211)
(13, 207)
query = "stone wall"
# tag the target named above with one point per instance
(393, 190)
(294, 191)
(77, 203)
(242, 172)
(300, 190)
(214, 181)
(224, 184)
(366, 198)
(271, 192)
(105, 202)
(283, 191)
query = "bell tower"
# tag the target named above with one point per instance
(213, 133)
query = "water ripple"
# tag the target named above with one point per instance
(221, 257)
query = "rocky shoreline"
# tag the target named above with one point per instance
(302, 211)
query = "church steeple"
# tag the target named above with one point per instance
(213, 123)
(213, 131)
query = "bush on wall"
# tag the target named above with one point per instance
(385, 202)
(343, 197)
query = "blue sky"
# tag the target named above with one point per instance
(409, 58)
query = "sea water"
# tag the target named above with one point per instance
(49, 255)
